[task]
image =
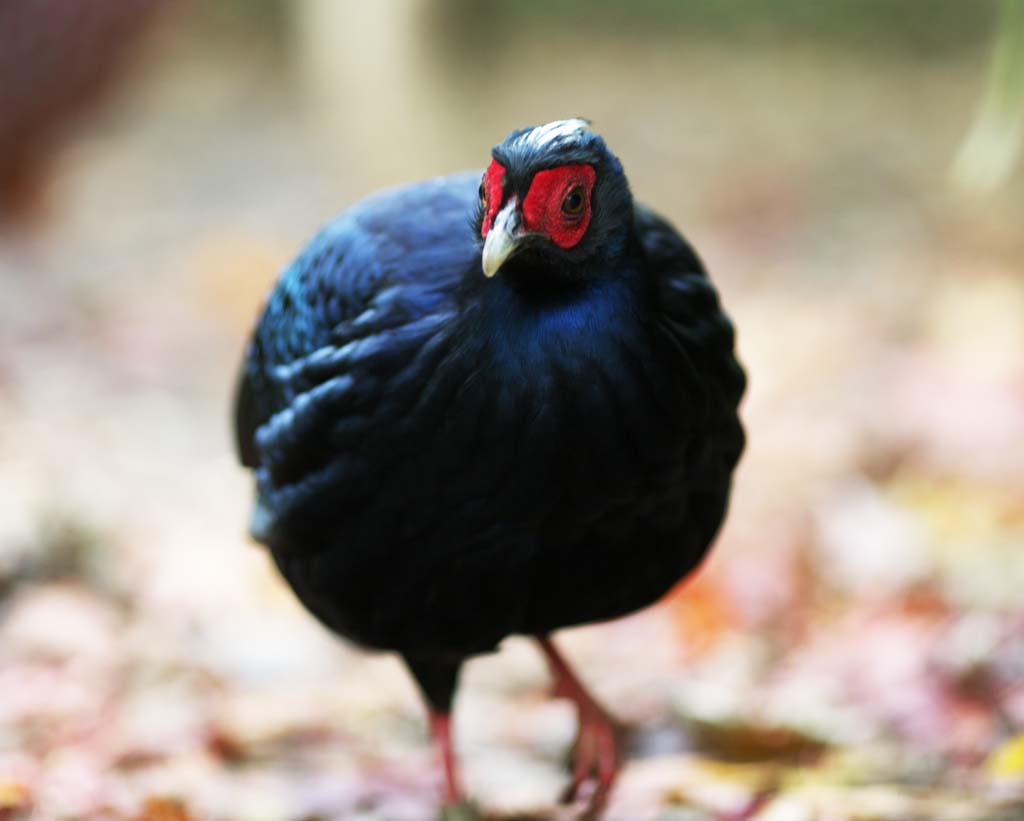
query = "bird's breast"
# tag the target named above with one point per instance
(562, 415)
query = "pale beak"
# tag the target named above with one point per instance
(503, 239)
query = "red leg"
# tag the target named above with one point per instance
(597, 753)
(441, 727)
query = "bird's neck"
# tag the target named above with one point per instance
(530, 320)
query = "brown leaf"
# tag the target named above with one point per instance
(164, 809)
(14, 799)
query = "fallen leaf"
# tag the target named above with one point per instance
(164, 809)
(14, 798)
(1007, 760)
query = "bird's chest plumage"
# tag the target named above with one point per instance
(568, 418)
(514, 444)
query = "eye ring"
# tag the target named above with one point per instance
(572, 204)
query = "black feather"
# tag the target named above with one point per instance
(443, 460)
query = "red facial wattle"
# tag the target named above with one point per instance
(492, 185)
(545, 208)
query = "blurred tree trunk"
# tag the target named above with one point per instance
(372, 74)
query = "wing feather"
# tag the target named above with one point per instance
(343, 328)
(692, 317)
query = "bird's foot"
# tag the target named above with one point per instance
(595, 757)
(596, 754)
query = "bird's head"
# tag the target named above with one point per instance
(554, 200)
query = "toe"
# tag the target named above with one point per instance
(583, 760)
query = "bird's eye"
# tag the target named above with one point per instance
(572, 205)
(482, 195)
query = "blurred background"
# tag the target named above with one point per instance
(853, 648)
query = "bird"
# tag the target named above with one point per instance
(493, 404)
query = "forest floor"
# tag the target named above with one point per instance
(852, 649)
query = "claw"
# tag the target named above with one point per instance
(596, 756)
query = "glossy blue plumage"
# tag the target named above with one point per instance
(443, 459)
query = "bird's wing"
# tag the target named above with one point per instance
(348, 315)
(691, 316)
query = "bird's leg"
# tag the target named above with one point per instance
(437, 677)
(441, 727)
(597, 751)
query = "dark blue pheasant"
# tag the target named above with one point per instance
(483, 408)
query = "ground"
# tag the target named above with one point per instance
(854, 647)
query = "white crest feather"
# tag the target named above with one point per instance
(554, 132)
